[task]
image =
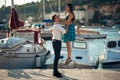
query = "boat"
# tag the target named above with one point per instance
(82, 53)
(94, 53)
(111, 54)
(86, 34)
(23, 49)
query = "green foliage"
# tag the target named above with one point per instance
(96, 17)
(81, 9)
(35, 9)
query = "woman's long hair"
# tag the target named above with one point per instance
(71, 9)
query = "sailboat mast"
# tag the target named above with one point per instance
(5, 3)
(5, 11)
(43, 9)
(12, 3)
(59, 8)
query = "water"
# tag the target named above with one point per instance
(96, 47)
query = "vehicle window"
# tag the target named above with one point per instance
(80, 45)
(112, 44)
(119, 43)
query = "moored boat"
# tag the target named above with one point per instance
(111, 54)
(25, 50)
(82, 53)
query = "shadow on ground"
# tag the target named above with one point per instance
(18, 73)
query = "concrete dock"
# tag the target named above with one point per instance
(69, 74)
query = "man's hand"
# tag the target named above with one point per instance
(51, 30)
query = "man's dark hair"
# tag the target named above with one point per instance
(53, 18)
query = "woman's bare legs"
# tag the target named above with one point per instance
(68, 44)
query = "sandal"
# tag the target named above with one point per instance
(68, 61)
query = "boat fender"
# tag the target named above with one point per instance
(37, 61)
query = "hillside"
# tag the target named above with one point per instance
(35, 9)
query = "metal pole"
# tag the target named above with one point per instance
(59, 8)
(12, 2)
(5, 10)
(24, 11)
(50, 5)
(43, 9)
(5, 3)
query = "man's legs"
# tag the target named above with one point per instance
(57, 49)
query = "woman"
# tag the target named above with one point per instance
(70, 28)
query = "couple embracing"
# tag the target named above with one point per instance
(68, 36)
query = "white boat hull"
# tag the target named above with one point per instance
(21, 53)
(19, 61)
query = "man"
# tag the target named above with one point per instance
(57, 32)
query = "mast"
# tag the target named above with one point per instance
(5, 3)
(59, 8)
(12, 3)
(43, 9)
(5, 11)
(50, 6)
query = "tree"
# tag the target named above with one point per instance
(96, 17)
